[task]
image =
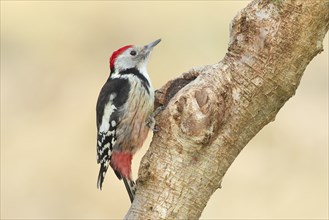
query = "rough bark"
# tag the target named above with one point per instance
(212, 112)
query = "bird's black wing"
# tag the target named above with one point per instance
(112, 96)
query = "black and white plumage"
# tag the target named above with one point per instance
(124, 104)
(112, 96)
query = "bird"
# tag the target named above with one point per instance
(124, 112)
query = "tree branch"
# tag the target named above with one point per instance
(212, 112)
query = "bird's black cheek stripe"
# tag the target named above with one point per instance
(142, 78)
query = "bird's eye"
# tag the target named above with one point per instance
(133, 53)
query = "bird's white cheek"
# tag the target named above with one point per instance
(124, 64)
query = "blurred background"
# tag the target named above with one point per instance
(54, 61)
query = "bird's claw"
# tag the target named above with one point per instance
(150, 122)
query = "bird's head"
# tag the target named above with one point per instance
(131, 56)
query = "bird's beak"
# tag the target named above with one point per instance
(148, 48)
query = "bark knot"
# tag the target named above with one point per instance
(199, 114)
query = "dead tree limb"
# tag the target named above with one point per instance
(212, 112)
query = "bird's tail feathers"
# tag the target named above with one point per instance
(130, 187)
(101, 175)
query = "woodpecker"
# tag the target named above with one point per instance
(123, 112)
